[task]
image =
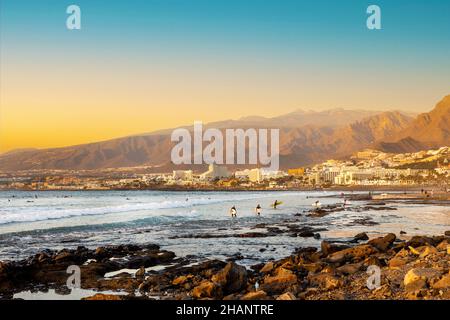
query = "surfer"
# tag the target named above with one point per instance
(233, 212)
(258, 210)
(276, 203)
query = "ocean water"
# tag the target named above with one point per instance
(32, 221)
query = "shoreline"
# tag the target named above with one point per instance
(414, 269)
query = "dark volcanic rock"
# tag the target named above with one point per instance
(361, 237)
(232, 278)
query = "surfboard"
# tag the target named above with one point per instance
(278, 203)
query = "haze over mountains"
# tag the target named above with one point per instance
(306, 137)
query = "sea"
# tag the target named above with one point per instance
(32, 221)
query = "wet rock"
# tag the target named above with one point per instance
(384, 243)
(232, 278)
(361, 237)
(306, 234)
(447, 233)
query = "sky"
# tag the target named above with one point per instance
(141, 65)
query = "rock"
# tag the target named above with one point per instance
(419, 241)
(402, 232)
(416, 285)
(402, 258)
(374, 261)
(181, 280)
(383, 243)
(443, 246)
(415, 274)
(101, 296)
(397, 262)
(447, 233)
(443, 283)
(354, 254)
(280, 282)
(255, 295)
(426, 250)
(140, 273)
(64, 256)
(329, 248)
(232, 278)
(317, 236)
(268, 267)
(313, 267)
(348, 269)
(286, 296)
(325, 281)
(361, 237)
(306, 234)
(207, 289)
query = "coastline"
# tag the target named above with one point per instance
(413, 269)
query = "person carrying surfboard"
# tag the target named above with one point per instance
(258, 210)
(275, 204)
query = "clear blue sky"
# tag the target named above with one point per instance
(218, 59)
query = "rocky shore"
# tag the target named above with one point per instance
(413, 269)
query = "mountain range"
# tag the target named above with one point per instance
(306, 137)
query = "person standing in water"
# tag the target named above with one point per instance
(258, 210)
(233, 212)
(275, 204)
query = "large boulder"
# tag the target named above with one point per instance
(232, 278)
